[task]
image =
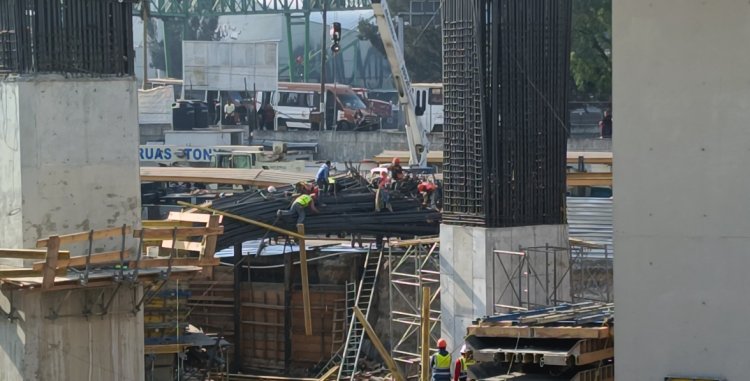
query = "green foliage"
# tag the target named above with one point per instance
(591, 49)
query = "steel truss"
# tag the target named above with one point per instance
(408, 273)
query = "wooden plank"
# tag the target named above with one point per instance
(330, 373)
(425, 334)
(209, 245)
(96, 259)
(181, 232)
(375, 340)
(183, 245)
(576, 179)
(189, 217)
(592, 357)
(305, 280)
(38, 254)
(84, 236)
(165, 224)
(571, 332)
(27, 272)
(164, 262)
(162, 349)
(50, 265)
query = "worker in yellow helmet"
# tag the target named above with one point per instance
(440, 363)
(299, 205)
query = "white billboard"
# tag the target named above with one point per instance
(224, 65)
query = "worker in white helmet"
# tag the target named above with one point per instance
(460, 369)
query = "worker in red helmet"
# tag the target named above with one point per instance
(440, 363)
(397, 173)
(427, 190)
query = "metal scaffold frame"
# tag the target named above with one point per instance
(543, 276)
(408, 273)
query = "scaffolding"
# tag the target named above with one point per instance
(408, 272)
(541, 276)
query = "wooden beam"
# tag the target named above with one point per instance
(96, 259)
(165, 224)
(425, 334)
(305, 280)
(163, 349)
(591, 179)
(27, 272)
(330, 373)
(395, 373)
(38, 254)
(189, 217)
(181, 233)
(243, 219)
(50, 266)
(84, 236)
(164, 262)
(182, 245)
(209, 245)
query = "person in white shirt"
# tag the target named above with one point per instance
(229, 114)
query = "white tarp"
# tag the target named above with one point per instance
(155, 105)
(236, 65)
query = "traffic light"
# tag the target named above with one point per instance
(336, 37)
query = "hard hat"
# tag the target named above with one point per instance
(271, 189)
(464, 349)
(396, 160)
(442, 343)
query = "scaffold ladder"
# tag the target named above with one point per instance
(365, 293)
(340, 317)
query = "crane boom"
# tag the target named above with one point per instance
(415, 132)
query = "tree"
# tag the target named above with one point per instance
(591, 49)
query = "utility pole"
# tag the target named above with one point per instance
(323, 70)
(144, 10)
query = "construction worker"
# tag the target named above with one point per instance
(397, 173)
(427, 190)
(383, 196)
(322, 176)
(299, 205)
(440, 363)
(460, 372)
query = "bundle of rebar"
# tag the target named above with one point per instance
(349, 209)
(505, 73)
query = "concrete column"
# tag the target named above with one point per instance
(68, 156)
(681, 215)
(472, 279)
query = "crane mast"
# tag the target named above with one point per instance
(415, 132)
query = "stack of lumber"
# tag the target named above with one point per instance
(566, 342)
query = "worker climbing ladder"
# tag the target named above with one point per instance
(365, 293)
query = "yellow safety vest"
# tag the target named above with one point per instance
(442, 362)
(303, 200)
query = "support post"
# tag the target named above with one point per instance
(323, 48)
(305, 280)
(290, 49)
(237, 308)
(397, 376)
(50, 265)
(425, 336)
(288, 263)
(145, 9)
(306, 68)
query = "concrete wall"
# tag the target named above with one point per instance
(472, 279)
(71, 155)
(73, 347)
(682, 232)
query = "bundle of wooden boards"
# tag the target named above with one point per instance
(566, 342)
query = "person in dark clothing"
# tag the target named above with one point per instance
(268, 114)
(605, 125)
